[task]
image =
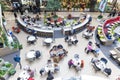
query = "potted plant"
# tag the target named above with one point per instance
(69, 16)
(1, 61)
(99, 17)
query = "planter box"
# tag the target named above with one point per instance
(99, 19)
(87, 9)
(2, 62)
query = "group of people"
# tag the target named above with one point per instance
(90, 48)
(27, 19)
(60, 51)
(76, 63)
(50, 71)
(71, 39)
(114, 12)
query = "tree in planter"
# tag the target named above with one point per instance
(92, 5)
(53, 5)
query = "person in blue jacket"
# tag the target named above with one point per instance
(17, 59)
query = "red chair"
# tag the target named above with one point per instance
(82, 63)
(31, 78)
(13, 28)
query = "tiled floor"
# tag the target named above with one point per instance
(64, 70)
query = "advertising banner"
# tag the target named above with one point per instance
(102, 5)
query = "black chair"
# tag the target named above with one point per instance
(104, 60)
(59, 46)
(107, 71)
(37, 54)
(66, 38)
(76, 41)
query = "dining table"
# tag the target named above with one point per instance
(30, 56)
(50, 67)
(31, 38)
(76, 61)
(100, 64)
(48, 40)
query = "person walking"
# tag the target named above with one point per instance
(17, 59)
(15, 15)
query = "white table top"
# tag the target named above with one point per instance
(87, 33)
(76, 61)
(31, 38)
(101, 65)
(72, 38)
(48, 40)
(49, 68)
(30, 55)
(24, 75)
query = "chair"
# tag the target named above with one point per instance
(104, 60)
(107, 71)
(66, 38)
(82, 64)
(13, 28)
(37, 54)
(76, 56)
(70, 63)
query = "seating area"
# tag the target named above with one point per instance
(32, 55)
(107, 33)
(60, 60)
(76, 62)
(50, 66)
(101, 65)
(57, 53)
(115, 54)
(71, 40)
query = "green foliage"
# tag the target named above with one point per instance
(7, 64)
(11, 71)
(20, 46)
(53, 5)
(4, 5)
(5, 39)
(100, 16)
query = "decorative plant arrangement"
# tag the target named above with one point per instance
(6, 68)
(69, 16)
(99, 17)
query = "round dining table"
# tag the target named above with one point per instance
(31, 38)
(48, 40)
(101, 65)
(30, 55)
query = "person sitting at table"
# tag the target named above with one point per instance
(59, 46)
(78, 66)
(89, 48)
(42, 71)
(31, 72)
(70, 63)
(56, 67)
(108, 35)
(66, 38)
(65, 52)
(50, 76)
(51, 53)
(94, 60)
(75, 42)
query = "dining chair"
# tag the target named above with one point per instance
(107, 71)
(104, 60)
